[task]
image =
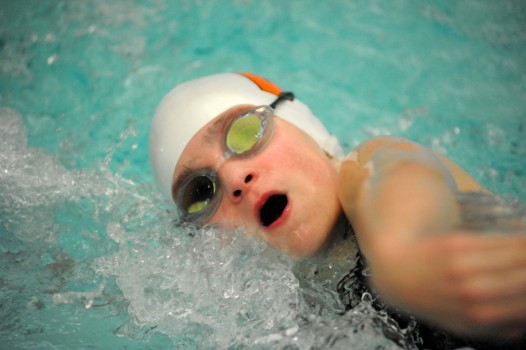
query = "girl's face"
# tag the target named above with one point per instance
(285, 193)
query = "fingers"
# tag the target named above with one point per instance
(473, 285)
(487, 280)
(460, 239)
(487, 253)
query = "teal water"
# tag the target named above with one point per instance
(90, 252)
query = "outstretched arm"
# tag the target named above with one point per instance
(401, 200)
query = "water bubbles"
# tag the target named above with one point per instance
(52, 59)
(366, 271)
(86, 298)
(96, 238)
(367, 298)
(115, 231)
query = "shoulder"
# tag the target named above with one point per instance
(389, 145)
(369, 148)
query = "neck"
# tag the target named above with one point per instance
(333, 262)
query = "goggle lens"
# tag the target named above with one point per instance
(244, 133)
(197, 194)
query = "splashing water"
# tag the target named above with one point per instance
(96, 245)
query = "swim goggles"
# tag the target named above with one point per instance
(198, 194)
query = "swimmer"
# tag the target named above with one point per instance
(235, 150)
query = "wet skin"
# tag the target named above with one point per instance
(404, 221)
(303, 173)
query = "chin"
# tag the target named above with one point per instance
(309, 243)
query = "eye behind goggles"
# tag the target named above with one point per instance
(198, 195)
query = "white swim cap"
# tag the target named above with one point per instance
(191, 105)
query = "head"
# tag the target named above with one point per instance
(282, 187)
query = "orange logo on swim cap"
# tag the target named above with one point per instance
(263, 83)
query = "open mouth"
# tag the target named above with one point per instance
(273, 209)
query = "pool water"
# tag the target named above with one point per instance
(91, 253)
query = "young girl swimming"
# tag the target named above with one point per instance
(235, 150)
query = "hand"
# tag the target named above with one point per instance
(405, 221)
(463, 282)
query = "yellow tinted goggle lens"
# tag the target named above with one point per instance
(244, 134)
(197, 206)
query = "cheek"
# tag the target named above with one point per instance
(228, 217)
(314, 173)
(287, 160)
(296, 152)
(224, 217)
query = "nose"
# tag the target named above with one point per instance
(236, 179)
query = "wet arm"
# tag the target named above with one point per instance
(389, 184)
(400, 198)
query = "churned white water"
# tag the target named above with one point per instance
(178, 285)
(92, 255)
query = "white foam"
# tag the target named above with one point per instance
(204, 288)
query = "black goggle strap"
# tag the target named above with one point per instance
(289, 96)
